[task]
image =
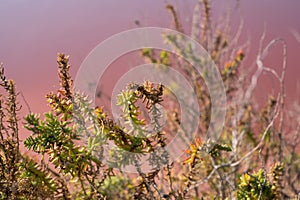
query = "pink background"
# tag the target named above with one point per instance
(33, 32)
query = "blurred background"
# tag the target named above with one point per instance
(33, 32)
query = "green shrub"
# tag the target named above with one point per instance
(70, 139)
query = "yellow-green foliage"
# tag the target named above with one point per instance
(69, 140)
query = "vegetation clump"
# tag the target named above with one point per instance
(254, 157)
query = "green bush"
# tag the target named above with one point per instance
(253, 159)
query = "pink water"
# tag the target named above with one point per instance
(32, 32)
